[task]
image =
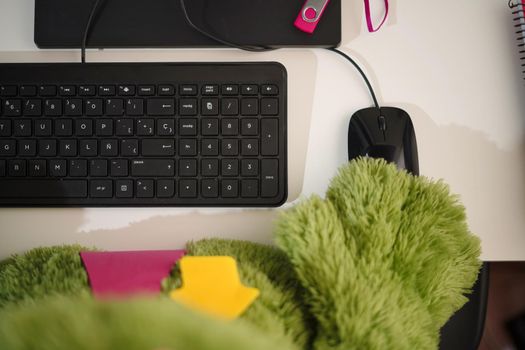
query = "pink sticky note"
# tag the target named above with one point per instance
(127, 273)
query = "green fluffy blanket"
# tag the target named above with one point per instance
(381, 263)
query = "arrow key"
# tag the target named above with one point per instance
(165, 188)
(210, 188)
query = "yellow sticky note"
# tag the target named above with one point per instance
(211, 284)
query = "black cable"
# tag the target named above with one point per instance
(217, 39)
(372, 93)
(86, 30)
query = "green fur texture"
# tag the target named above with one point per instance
(385, 259)
(381, 263)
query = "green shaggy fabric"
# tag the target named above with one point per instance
(385, 259)
(381, 263)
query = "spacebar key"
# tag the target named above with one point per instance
(43, 189)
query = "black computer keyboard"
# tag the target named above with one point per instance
(143, 134)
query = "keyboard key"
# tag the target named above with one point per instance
(249, 188)
(249, 89)
(230, 147)
(43, 127)
(2, 168)
(109, 148)
(144, 188)
(146, 127)
(94, 107)
(161, 106)
(8, 90)
(73, 107)
(158, 147)
(119, 167)
(210, 167)
(188, 188)
(104, 127)
(86, 90)
(165, 127)
(124, 127)
(33, 107)
(146, 90)
(209, 127)
(57, 168)
(188, 127)
(22, 127)
(188, 107)
(27, 148)
(269, 90)
(269, 137)
(188, 90)
(16, 168)
(124, 188)
(47, 148)
(249, 106)
(249, 147)
(37, 168)
(114, 107)
(129, 147)
(166, 90)
(230, 127)
(101, 188)
(28, 90)
(210, 188)
(83, 127)
(5, 127)
(188, 167)
(134, 107)
(78, 168)
(269, 106)
(153, 167)
(47, 90)
(210, 90)
(126, 90)
(165, 188)
(12, 108)
(188, 147)
(106, 90)
(64, 127)
(269, 177)
(230, 89)
(98, 167)
(230, 106)
(53, 108)
(43, 189)
(249, 167)
(210, 147)
(210, 106)
(88, 148)
(7, 147)
(67, 90)
(230, 188)
(249, 127)
(230, 167)
(67, 148)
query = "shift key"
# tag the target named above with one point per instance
(269, 137)
(153, 167)
(269, 177)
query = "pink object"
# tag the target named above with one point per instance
(128, 273)
(369, 24)
(310, 15)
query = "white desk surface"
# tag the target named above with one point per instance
(451, 64)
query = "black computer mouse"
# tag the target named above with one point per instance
(385, 132)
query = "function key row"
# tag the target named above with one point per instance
(140, 90)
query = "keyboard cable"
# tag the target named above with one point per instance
(250, 48)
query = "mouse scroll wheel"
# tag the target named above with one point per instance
(382, 123)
